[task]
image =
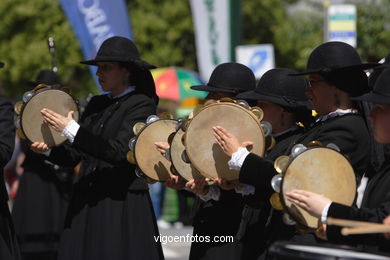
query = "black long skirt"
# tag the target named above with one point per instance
(9, 249)
(103, 227)
(39, 212)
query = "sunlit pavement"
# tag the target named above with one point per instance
(176, 250)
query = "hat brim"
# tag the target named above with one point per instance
(363, 66)
(373, 97)
(212, 89)
(253, 95)
(36, 83)
(139, 63)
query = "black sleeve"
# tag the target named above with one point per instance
(377, 215)
(114, 149)
(258, 172)
(7, 131)
(65, 155)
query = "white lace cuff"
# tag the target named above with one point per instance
(71, 130)
(324, 215)
(238, 159)
(213, 194)
(245, 190)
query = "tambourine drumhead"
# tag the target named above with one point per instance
(31, 120)
(147, 157)
(320, 170)
(202, 150)
(186, 170)
(282, 251)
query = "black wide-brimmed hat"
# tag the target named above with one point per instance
(385, 63)
(1, 64)
(280, 87)
(47, 77)
(340, 65)
(333, 56)
(381, 92)
(119, 49)
(229, 77)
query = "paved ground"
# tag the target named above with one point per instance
(176, 251)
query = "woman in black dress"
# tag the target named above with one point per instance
(42, 198)
(285, 105)
(110, 214)
(216, 212)
(376, 198)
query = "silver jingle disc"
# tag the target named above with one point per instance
(132, 143)
(288, 220)
(27, 96)
(138, 172)
(276, 182)
(17, 122)
(180, 122)
(151, 119)
(267, 127)
(243, 103)
(334, 147)
(297, 150)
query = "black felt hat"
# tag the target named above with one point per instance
(119, 49)
(378, 70)
(229, 77)
(340, 65)
(332, 56)
(280, 87)
(381, 92)
(47, 77)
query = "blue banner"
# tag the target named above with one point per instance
(94, 21)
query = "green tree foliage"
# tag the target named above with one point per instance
(373, 25)
(24, 29)
(300, 31)
(293, 33)
(164, 32)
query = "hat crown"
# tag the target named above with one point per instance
(48, 77)
(382, 85)
(279, 82)
(117, 48)
(332, 55)
(233, 77)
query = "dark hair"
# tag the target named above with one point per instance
(142, 79)
(354, 82)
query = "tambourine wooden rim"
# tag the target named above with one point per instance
(185, 170)
(202, 150)
(321, 170)
(31, 120)
(148, 159)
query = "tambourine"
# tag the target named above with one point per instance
(178, 157)
(322, 170)
(235, 116)
(151, 164)
(29, 120)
